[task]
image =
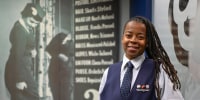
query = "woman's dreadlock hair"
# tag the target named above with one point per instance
(156, 52)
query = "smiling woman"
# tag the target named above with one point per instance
(134, 39)
(151, 76)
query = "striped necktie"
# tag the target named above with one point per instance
(126, 84)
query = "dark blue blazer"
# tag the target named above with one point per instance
(143, 88)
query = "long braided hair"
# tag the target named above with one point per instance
(156, 52)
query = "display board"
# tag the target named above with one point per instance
(96, 44)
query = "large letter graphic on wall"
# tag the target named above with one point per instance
(184, 16)
(180, 13)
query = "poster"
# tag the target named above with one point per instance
(36, 75)
(96, 44)
(92, 28)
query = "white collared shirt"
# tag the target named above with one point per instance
(166, 86)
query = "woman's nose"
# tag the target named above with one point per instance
(133, 39)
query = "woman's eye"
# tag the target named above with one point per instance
(141, 37)
(128, 36)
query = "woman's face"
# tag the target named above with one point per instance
(134, 39)
(31, 22)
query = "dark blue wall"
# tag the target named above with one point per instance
(141, 8)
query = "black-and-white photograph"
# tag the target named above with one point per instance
(37, 50)
(57, 49)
